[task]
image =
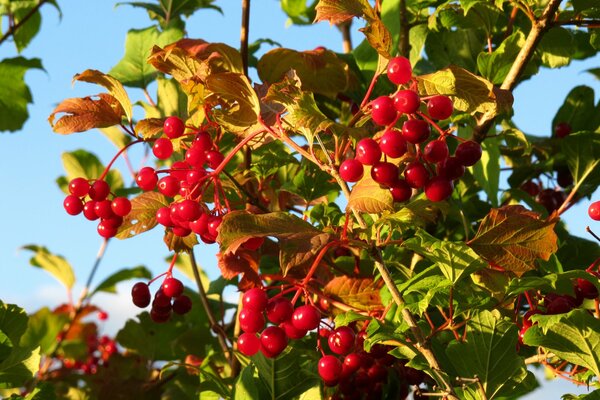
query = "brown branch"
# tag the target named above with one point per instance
(538, 28)
(587, 22)
(404, 44)
(346, 38)
(13, 28)
(244, 34)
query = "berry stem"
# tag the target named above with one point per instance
(373, 82)
(313, 267)
(237, 148)
(117, 156)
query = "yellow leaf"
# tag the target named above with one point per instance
(114, 87)
(82, 114)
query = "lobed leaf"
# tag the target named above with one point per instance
(368, 196)
(54, 264)
(109, 285)
(360, 293)
(242, 262)
(582, 152)
(114, 87)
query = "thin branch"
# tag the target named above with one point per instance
(404, 44)
(88, 283)
(538, 358)
(346, 38)
(244, 34)
(13, 28)
(587, 22)
(252, 200)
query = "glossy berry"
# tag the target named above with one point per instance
(416, 175)
(214, 158)
(273, 341)
(585, 289)
(279, 309)
(341, 340)
(203, 141)
(392, 144)
(146, 179)
(383, 111)
(161, 302)
(440, 107)
(248, 344)
(527, 317)
(451, 168)
(291, 331)
(121, 206)
(89, 210)
(104, 209)
(99, 190)
(182, 305)
(416, 131)
(168, 185)
(401, 191)
(113, 222)
(330, 368)
(106, 230)
(436, 151)
(189, 210)
(468, 153)
(162, 148)
(407, 101)
(368, 151)
(399, 70)
(306, 317)
(195, 156)
(351, 170)
(564, 177)
(255, 299)
(73, 205)
(594, 211)
(140, 294)
(163, 216)
(251, 321)
(79, 187)
(438, 189)
(562, 129)
(172, 287)
(173, 127)
(384, 173)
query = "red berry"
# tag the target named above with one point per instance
(212, 227)
(368, 151)
(279, 309)
(377, 372)
(436, 151)
(341, 340)
(564, 177)
(214, 158)
(384, 173)
(79, 187)
(401, 191)
(352, 363)
(140, 293)
(113, 222)
(468, 153)
(416, 131)
(407, 101)
(189, 210)
(273, 341)
(562, 129)
(559, 305)
(548, 200)
(392, 144)
(531, 187)
(172, 287)
(585, 289)
(159, 317)
(399, 70)
(99, 190)
(203, 141)
(106, 230)
(73, 205)
(168, 185)
(163, 216)
(102, 315)
(594, 211)
(253, 243)
(330, 368)
(173, 127)
(162, 148)
(161, 302)
(104, 209)
(351, 170)
(121, 206)
(306, 317)
(89, 210)
(182, 305)
(438, 189)
(291, 331)
(146, 179)
(181, 231)
(248, 344)
(179, 170)
(527, 317)
(255, 299)
(451, 168)
(383, 111)
(251, 321)
(416, 175)
(440, 107)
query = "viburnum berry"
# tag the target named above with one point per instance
(181, 231)
(399, 70)
(416, 131)
(73, 205)
(121, 206)
(341, 340)
(146, 179)
(273, 341)
(189, 210)
(384, 173)
(440, 107)
(306, 317)
(250, 320)
(527, 317)
(102, 315)
(564, 177)
(212, 227)
(585, 289)
(99, 190)
(368, 151)
(104, 209)
(140, 294)
(182, 304)
(330, 368)
(89, 210)
(351, 364)
(195, 156)
(532, 188)
(172, 287)
(562, 129)
(392, 144)
(255, 299)
(161, 302)
(468, 153)
(383, 111)
(548, 200)
(279, 309)
(79, 187)
(162, 148)
(159, 317)
(106, 230)
(179, 170)
(168, 185)
(214, 158)
(407, 101)
(203, 141)
(163, 216)
(351, 170)
(451, 168)
(438, 188)
(112, 222)
(594, 211)
(173, 127)
(416, 175)
(401, 191)
(559, 305)
(436, 151)
(248, 344)
(291, 331)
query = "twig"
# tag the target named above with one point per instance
(13, 28)
(588, 230)
(538, 358)
(244, 34)
(587, 22)
(404, 44)
(253, 200)
(346, 38)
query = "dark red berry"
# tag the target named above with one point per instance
(451, 168)
(548, 200)
(147, 179)
(306, 317)
(341, 340)
(559, 305)
(416, 131)
(172, 287)
(383, 111)
(368, 151)
(399, 70)
(351, 170)
(162, 148)
(564, 177)
(438, 189)
(161, 302)
(407, 101)
(181, 231)
(113, 222)
(330, 368)
(159, 317)
(279, 309)
(140, 294)
(251, 321)
(594, 211)
(440, 107)
(182, 305)
(384, 173)
(531, 187)
(416, 175)
(273, 341)
(255, 299)
(291, 331)
(248, 344)
(562, 129)
(401, 191)
(79, 187)
(99, 190)
(351, 364)
(585, 289)
(392, 144)
(468, 153)
(527, 317)
(214, 158)
(73, 205)
(121, 206)
(173, 127)
(436, 151)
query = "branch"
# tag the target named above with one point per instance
(13, 28)
(538, 28)
(244, 34)
(346, 38)
(404, 44)
(587, 22)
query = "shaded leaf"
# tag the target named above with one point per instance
(487, 170)
(180, 244)
(13, 322)
(360, 293)
(245, 387)
(495, 66)
(42, 330)
(14, 93)
(83, 114)
(556, 47)
(513, 238)
(368, 196)
(109, 285)
(19, 367)
(54, 264)
(298, 12)
(114, 87)
(142, 216)
(576, 110)
(582, 152)
(241, 262)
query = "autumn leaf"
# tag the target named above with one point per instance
(142, 216)
(513, 238)
(180, 244)
(242, 262)
(360, 293)
(83, 114)
(368, 196)
(114, 87)
(149, 127)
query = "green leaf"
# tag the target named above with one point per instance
(171, 99)
(495, 66)
(595, 395)
(54, 264)
(311, 184)
(133, 70)
(81, 163)
(13, 323)
(246, 387)
(20, 366)
(142, 216)
(582, 152)
(492, 356)
(27, 31)
(298, 12)
(574, 338)
(109, 285)
(368, 196)
(42, 330)
(556, 47)
(454, 259)
(487, 171)
(14, 93)
(576, 110)
(459, 48)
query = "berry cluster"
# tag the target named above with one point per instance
(550, 199)
(92, 199)
(423, 163)
(99, 352)
(168, 298)
(288, 323)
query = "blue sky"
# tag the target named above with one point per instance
(91, 34)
